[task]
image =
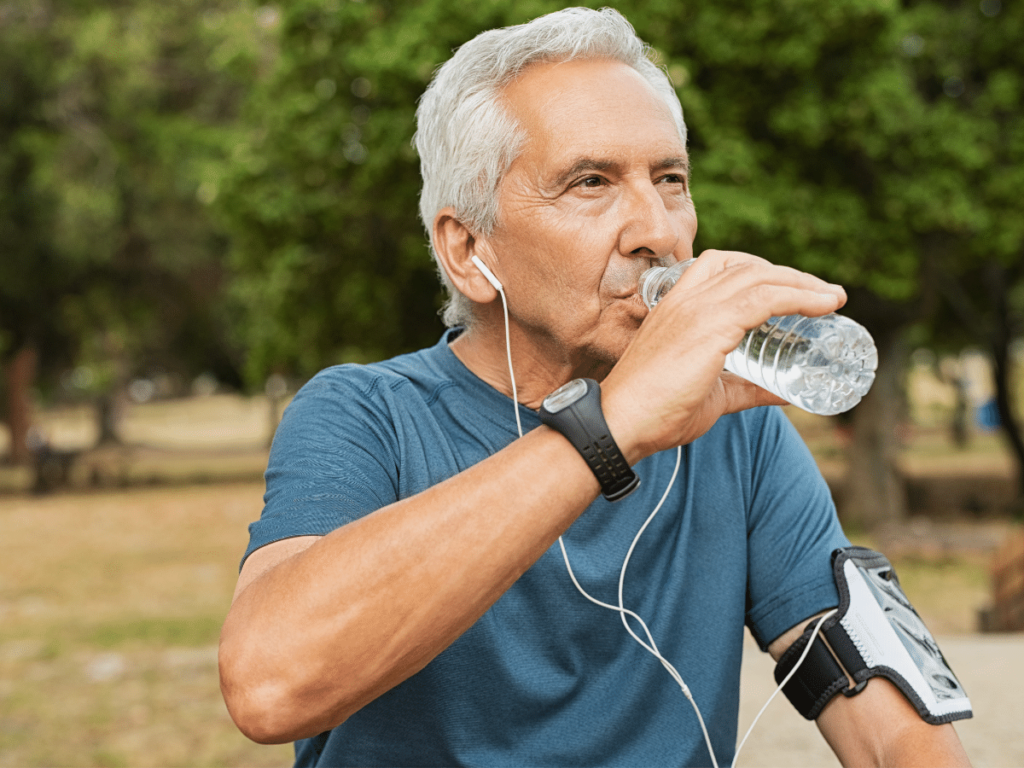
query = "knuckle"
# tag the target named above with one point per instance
(712, 254)
(753, 301)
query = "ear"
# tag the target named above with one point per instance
(456, 246)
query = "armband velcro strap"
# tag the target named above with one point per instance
(874, 632)
(819, 678)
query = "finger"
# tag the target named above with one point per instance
(713, 262)
(736, 269)
(760, 291)
(748, 273)
(755, 305)
(741, 394)
(720, 318)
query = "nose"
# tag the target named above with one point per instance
(647, 229)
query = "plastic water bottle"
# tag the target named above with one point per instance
(824, 365)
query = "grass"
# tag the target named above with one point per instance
(111, 600)
(110, 609)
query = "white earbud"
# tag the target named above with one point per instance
(487, 273)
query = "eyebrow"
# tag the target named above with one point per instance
(584, 164)
(581, 165)
(682, 162)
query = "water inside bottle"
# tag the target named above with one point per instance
(823, 365)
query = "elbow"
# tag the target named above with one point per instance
(260, 726)
(258, 710)
(270, 710)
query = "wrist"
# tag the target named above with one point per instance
(574, 410)
(622, 426)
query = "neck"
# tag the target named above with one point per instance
(540, 368)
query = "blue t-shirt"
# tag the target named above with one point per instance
(545, 677)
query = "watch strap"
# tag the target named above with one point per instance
(582, 423)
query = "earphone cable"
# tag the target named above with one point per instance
(623, 612)
(650, 645)
(807, 648)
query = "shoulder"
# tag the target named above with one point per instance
(756, 432)
(352, 385)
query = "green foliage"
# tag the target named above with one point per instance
(322, 195)
(795, 109)
(131, 112)
(28, 268)
(876, 143)
(797, 115)
(968, 66)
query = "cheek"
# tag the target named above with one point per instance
(569, 259)
(560, 257)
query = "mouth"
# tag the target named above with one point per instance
(631, 289)
(635, 301)
(628, 290)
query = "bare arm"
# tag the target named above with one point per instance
(879, 727)
(320, 627)
(359, 610)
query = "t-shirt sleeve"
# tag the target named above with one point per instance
(792, 531)
(332, 460)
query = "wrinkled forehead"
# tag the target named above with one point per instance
(577, 85)
(596, 108)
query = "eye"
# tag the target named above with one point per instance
(674, 178)
(590, 182)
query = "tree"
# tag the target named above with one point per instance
(120, 259)
(29, 274)
(800, 116)
(331, 259)
(969, 66)
(812, 146)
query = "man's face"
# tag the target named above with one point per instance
(599, 192)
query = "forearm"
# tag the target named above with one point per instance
(879, 727)
(938, 746)
(328, 629)
(370, 604)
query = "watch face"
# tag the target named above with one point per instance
(565, 395)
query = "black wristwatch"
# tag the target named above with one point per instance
(575, 410)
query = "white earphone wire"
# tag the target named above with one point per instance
(807, 648)
(508, 351)
(650, 646)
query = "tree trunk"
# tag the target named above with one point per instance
(275, 388)
(874, 491)
(109, 409)
(958, 428)
(20, 375)
(1007, 419)
(1002, 334)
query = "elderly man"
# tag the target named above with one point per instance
(402, 600)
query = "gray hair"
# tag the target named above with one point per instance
(467, 140)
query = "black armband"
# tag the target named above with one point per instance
(875, 632)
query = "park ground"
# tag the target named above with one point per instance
(112, 594)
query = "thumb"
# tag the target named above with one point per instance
(741, 394)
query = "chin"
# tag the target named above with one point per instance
(612, 345)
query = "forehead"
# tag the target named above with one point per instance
(593, 107)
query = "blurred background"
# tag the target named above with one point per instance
(203, 202)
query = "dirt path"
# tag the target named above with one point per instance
(991, 668)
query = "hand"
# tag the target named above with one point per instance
(669, 387)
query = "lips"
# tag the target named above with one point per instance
(635, 301)
(631, 286)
